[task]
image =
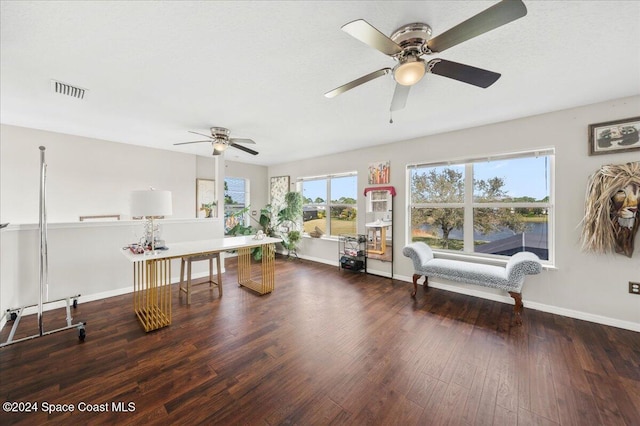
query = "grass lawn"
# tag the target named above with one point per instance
(437, 242)
(337, 226)
(535, 219)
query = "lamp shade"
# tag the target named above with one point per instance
(151, 203)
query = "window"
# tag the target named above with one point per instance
(489, 206)
(329, 203)
(236, 201)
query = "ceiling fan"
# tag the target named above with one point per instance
(221, 141)
(409, 43)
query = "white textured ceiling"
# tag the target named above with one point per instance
(157, 69)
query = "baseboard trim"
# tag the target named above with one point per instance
(317, 259)
(585, 316)
(384, 274)
(31, 310)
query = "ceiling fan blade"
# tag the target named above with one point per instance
(243, 148)
(186, 143)
(240, 140)
(497, 15)
(461, 72)
(400, 96)
(201, 134)
(357, 82)
(370, 35)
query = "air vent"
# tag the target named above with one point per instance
(67, 89)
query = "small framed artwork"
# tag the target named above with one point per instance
(206, 204)
(278, 189)
(614, 136)
(100, 218)
(379, 172)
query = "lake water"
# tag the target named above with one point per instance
(538, 228)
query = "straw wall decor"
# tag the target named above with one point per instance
(611, 217)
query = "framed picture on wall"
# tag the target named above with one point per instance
(379, 172)
(614, 136)
(100, 218)
(206, 204)
(279, 186)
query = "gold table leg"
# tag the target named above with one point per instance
(267, 283)
(152, 293)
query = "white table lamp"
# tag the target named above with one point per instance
(151, 204)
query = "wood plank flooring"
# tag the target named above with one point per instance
(326, 347)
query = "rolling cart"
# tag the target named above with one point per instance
(16, 314)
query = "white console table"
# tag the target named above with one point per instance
(152, 273)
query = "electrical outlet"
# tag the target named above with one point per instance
(634, 288)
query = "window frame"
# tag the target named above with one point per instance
(247, 201)
(468, 205)
(328, 202)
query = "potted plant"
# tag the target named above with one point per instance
(289, 220)
(208, 208)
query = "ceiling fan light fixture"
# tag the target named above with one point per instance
(409, 72)
(220, 145)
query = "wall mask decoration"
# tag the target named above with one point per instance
(612, 219)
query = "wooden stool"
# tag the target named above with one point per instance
(188, 260)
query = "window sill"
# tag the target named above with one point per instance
(323, 238)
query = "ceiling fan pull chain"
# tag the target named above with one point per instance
(390, 117)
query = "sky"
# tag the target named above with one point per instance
(346, 186)
(522, 176)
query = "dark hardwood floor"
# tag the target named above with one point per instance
(326, 347)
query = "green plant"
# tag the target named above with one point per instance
(239, 229)
(208, 208)
(289, 219)
(291, 243)
(283, 224)
(266, 219)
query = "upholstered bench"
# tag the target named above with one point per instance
(509, 278)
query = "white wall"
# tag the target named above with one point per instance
(588, 286)
(86, 176)
(84, 258)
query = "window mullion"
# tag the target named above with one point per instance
(328, 208)
(438, 205)
(468, 208)
(492, 204)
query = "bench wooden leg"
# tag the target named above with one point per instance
(416, 277)
(517, 308)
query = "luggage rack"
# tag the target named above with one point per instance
(16, 314)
